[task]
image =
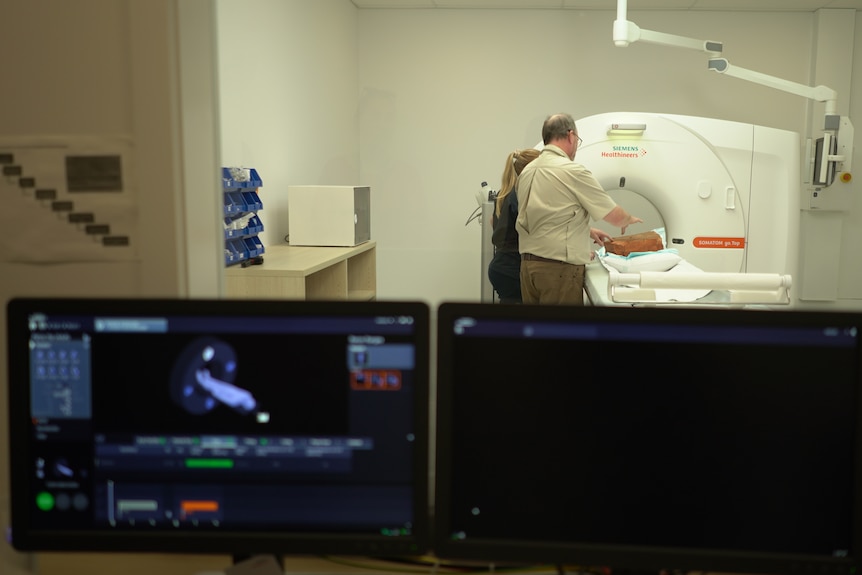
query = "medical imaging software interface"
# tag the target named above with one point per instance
(208, 423)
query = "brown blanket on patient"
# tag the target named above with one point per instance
(643, 242)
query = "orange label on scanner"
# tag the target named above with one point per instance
(733, 243)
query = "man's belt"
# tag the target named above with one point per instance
(532, 258)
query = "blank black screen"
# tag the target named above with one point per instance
(653, 431)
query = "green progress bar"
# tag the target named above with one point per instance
(209, 463)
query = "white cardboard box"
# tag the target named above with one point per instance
(328, 215)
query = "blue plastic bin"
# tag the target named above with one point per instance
(229, 183)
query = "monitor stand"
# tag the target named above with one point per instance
(251, 565)
(256, 565)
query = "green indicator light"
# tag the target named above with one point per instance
(209, 463)
(45, 501)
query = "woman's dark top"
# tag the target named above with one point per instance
(504, 271)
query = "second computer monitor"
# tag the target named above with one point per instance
(649, 438)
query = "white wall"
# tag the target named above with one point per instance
(288, 76)
(445, 95)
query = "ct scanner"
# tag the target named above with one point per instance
(726, 193)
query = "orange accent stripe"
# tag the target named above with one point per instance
(192, 506)
(713, 242)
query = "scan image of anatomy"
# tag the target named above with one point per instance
(67, 199)
(223, 384)
(203, 377)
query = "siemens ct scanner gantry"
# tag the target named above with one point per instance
(726, 196)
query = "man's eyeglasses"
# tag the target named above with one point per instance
(580, 141)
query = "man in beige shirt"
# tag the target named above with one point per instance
(557, 199)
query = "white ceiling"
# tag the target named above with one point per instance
(633, 5)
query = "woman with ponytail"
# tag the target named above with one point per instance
(504, 271)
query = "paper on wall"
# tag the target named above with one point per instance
(67, 199)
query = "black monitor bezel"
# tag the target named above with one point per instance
(25, 537)
(627, 557)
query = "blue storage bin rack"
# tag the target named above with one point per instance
(241, 199)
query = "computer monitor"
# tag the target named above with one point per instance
(231, 427)
(649, 439)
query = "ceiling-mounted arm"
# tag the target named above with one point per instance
(818, 93)
(626, 32)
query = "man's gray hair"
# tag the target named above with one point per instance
(557, 126)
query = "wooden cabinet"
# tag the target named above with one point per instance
(308, 272)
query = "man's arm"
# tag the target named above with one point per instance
(620, 218)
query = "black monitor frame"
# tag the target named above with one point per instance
(399, 325)
(469, 427)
